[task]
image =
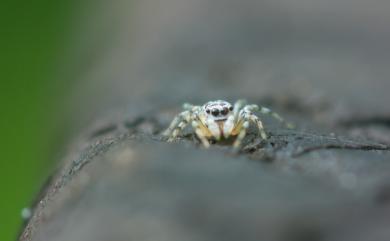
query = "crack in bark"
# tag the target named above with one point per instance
(347, 146)
(363, 122)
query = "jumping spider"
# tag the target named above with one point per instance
(217, 120)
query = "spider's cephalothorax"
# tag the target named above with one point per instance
(217, 110)
(219, 120)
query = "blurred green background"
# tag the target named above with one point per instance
(34, 35)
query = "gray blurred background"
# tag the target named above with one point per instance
(152, 51)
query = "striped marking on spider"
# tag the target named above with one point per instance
(219, 120)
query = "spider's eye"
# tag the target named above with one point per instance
(224, 111)
(231, 108)
(215, 112)
(208, 111)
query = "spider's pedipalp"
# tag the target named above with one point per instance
(214, 129)
(229, 126)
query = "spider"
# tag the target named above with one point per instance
(219, 120)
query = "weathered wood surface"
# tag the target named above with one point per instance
(298, 185)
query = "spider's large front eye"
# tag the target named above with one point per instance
(231, 108)
(215, 112)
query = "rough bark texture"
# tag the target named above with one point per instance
(327, 179)
(298, 185)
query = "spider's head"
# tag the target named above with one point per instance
(218, 110)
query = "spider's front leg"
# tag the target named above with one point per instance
(177, 125)
(200, 133)
(245, 117)
(237, 109)
(241, 134)
(248, 114)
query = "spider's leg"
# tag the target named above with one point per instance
(200, 134)
(177, 125)
(275, 115)
(259, 125)
(237, 108)
(242, 125)
(241, 135)
(188, 106)
(266, 111)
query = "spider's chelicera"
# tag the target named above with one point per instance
(218, 120)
